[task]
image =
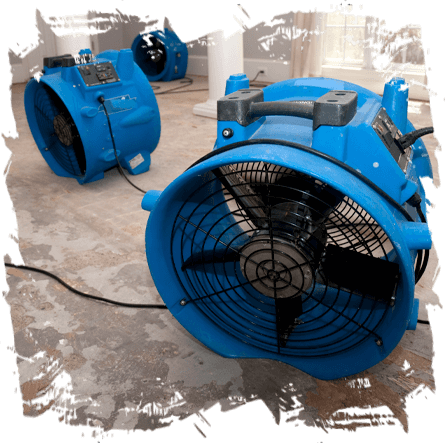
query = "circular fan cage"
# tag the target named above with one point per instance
(150, 55)
(249, 247)
(58, 130)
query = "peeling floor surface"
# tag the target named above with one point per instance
(138, 368)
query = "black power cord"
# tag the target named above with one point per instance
(254, 79)
(294, 145)
(415, 200)
(189, 81)
(422, 255)
(169, 91)
(83, 294)
(94, 297)
(420, 268)
(408, 139)
(119, 167)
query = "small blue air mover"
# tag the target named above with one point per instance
(69, 124)
(160, 55)
(301, 236)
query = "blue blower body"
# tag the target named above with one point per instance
(296, 239)
(69, 124)
(160, 55)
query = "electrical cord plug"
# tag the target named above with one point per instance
(408, 139)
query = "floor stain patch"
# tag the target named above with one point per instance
(366, 392)
(98, 364)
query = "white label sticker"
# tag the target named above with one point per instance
(136, 161)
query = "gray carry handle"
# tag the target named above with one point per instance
(303, 109)
(245, 106)
(336, 108)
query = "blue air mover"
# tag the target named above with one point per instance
(160, 55)
(301, 236)
(68, 121)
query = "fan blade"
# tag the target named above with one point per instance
(288, 311)
(59, 131)
(360, 273)
(79, 152)
(160, 64)
(247, 199)
(219, 255)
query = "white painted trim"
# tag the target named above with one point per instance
(375, 80)
(279, 70)
(276, 70)
(207, 109)
(220, 68)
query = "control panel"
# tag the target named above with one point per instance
(98, 73)
(389, 134)
(66, 61)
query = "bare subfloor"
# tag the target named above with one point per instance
(138, 368)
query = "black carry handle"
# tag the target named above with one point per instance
(303, 109)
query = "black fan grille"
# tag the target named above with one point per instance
(151, 56)
(58, 131)
(318, 320)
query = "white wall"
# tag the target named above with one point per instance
(120, 31)
(266, 46)
(52, 43)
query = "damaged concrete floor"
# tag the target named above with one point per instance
(138, 368)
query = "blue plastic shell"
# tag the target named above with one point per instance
(132, 107)
(354, 145)
(176, 56)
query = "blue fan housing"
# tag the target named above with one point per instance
(69, 124)
(196, 229)
(160, 55)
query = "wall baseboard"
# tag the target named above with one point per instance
(279, 70)
(20, 73)
(375, 80)
(276, 71)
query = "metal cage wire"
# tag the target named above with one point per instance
(59, 132)
(215, 224)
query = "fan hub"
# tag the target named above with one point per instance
(273, 275)
(275, 267)
(155, 55)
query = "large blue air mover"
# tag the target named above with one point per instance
(301, 236)
(160, 55)
(69, 124)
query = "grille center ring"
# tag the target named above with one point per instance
(275, 267)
